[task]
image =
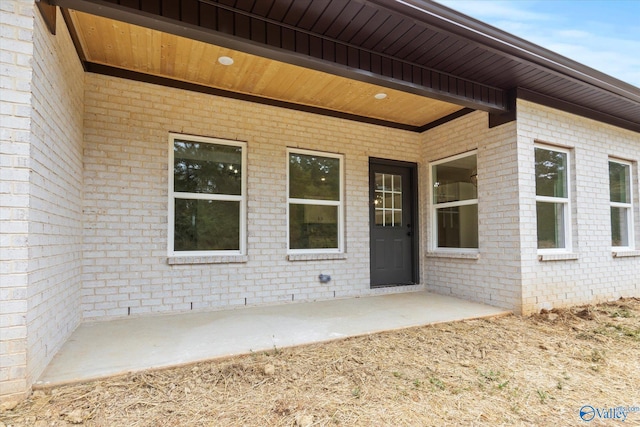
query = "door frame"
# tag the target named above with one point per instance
(413, 200)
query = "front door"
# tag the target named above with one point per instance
(393, 195)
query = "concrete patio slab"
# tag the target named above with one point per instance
(102, 349)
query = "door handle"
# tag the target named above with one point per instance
(408, 233)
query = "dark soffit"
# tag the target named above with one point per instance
(413, 45)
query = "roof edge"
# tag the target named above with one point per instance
(459, 24)
(568, 107)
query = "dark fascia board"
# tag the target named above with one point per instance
(179, 84)
(538, 98)
(148, 20)
(48, 13)
(445, 119)
(505, 44)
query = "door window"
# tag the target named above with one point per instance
(388, 200)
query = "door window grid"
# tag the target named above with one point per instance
(388, 200)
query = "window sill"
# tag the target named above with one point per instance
(625, 254)
(557, 257)
(456, 255)
(315, 257)
(217, 259)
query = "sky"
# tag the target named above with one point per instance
(604, 35)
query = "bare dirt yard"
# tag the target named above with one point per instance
(537, 370)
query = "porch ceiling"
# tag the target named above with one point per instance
(124, 46)
(332, 56)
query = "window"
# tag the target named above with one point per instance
(206, 196)
(315, 202)
(552, 198)
(455, 202)
(620, 192)
(388, 200)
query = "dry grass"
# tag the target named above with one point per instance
(537, 370)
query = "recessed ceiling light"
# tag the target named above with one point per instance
(225, 60)
(380, 95)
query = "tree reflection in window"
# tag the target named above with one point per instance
(552, 202)
(207, 190)
(314, 201)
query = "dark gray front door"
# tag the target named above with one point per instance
(392, 202)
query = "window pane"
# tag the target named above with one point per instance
(206, 225)
(619, 182)
(458, 227)
(455, 180)
(379, 181)
(619, 227)
(207, 168)
(313, 227)
(397, 201)
(388, 200)
(397, 182)
(314, 177)
(380, 217)
(550, 218)
(551, 173)
(397, 218)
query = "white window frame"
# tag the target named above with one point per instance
(565, 202)
(205, 196)
(339, 203)
(628, 206)
(435, 206)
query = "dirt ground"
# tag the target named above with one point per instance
(537, 370)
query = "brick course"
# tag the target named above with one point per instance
(595, 275)
(84, 187)
(125, 269)
(494, 277)
(16, 18)
(42, 84)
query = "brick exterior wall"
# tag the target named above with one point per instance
(125, 269)
(42, 112)
(16, 51)
(84, 214)
(494, 277)
(595, 275)
(55, 215)
(508, 272)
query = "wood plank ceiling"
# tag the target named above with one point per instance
(331, 56)
(118, 44)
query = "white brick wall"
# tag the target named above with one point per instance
(16, 50)
(508, 272)
(125, 266)
(83, 228)
(125, 269)
(494, 277)
(41, 195)
(595, 275)
(55, 216)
